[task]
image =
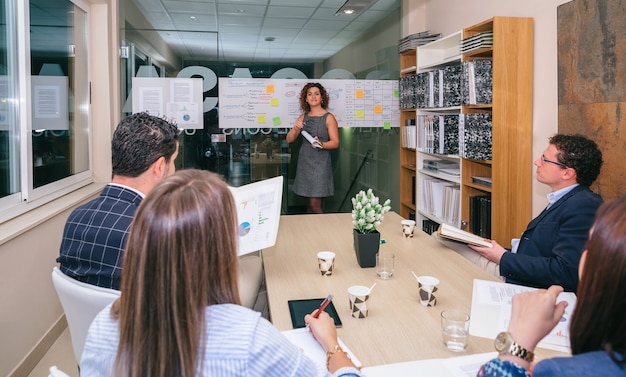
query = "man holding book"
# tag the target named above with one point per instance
(549, 250)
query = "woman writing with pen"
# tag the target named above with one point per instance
(180, 313)
(314, 173)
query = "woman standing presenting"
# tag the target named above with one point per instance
(314, 173)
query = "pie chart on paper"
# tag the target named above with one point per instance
(244, 229)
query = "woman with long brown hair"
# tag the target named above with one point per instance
(314, 172)
(598, 324)
(179, 313)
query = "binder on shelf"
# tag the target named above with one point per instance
(477, 136)
(451, 85)
(477, 80)
(422, 92)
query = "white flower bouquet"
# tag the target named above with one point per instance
(367, 212)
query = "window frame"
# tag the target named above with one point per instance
(26, 197)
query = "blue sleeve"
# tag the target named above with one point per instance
(501, 368)
(273, 354)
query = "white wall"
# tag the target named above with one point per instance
(448, 16)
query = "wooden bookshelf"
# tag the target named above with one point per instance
(511, 166)
(408, 66)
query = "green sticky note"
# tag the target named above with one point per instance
(396, 93)
(387, 125)
(276, 121)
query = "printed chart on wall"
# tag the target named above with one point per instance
(262, 103)
(258, 213)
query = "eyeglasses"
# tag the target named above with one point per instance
(544, 159)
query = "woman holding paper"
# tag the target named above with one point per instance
(314, 173)
(597, 326)
(179, 314)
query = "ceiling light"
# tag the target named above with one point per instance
(270, 39)
(354, 7)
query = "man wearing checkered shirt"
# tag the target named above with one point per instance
(144, 148)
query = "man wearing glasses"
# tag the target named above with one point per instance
(549, 250)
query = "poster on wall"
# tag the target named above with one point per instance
(49, 106)
(263, 103)
(179, 100)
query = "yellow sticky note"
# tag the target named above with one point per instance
(269, 88)
(360, 113)
(274, 102)
(378, 109)
(261, 118)
(277, 121)
(359, 93)
(387, 125)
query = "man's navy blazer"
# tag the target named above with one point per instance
(550, 248)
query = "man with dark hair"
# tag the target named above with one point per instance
(549, 250)
(144, 148)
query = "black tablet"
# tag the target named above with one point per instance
(299, 308)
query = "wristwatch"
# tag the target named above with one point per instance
(505, 344)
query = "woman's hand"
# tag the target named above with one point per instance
(534, 314)
(323, 329)
(299, 124)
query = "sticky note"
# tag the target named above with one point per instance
(276, 121)
(378, 109)
(360, 113)
(359, 93)
(261, 118)
(387, 125)
(396, 93)
(274, 102)
(269, 88)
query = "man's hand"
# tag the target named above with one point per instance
(494, 253)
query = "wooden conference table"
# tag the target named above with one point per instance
(398, 328)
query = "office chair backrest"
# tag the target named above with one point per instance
(81, 303)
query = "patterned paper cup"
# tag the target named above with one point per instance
(427, 286)
(358, 300)
(326, 262)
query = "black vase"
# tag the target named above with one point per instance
(366, 247)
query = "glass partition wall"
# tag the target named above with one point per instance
(367, 157)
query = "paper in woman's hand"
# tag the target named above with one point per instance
(311, 140)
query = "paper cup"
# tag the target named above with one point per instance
(427, 286)
(326, 262)
(408, 227)
(358, 300)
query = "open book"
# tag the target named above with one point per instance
(456, 234)
(311, 139)
(258, 213)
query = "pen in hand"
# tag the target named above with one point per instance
(323, 306)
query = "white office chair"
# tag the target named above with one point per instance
(81, 303)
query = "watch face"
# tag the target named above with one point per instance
(502, 341)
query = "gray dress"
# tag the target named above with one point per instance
(314, 173)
